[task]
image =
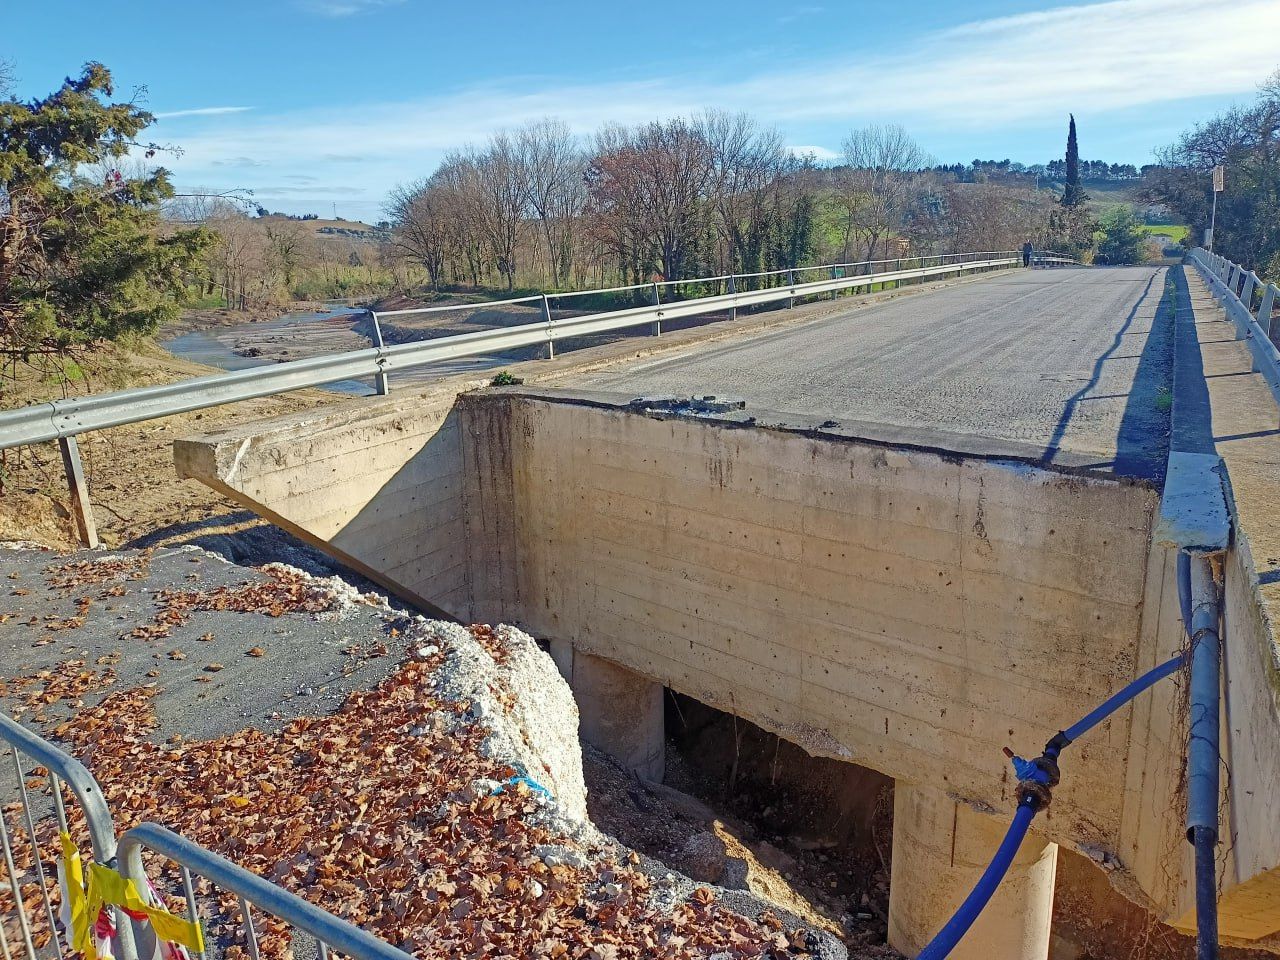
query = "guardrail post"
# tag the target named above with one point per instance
(733, 288)
(657, 302)
(546, 318)
(1265, 311)
(81, 508)
(791, 282)
(1246, 293)
(380, 382)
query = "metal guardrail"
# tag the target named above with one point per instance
(62, 769)
(62, 419)
(330, 933)
(1237, 290)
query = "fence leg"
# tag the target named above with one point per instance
(81, 509)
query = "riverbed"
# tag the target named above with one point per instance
(304, 334)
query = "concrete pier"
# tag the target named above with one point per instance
(621, 711)
(940, 848)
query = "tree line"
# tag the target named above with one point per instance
(715, 194)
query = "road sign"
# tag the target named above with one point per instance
(1218, 178)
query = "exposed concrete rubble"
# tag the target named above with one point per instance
(437, 799)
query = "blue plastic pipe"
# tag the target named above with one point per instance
(946, 939)
(1203, 756)
(1118, 700)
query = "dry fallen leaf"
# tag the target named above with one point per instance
(212, 667)
(256, 652)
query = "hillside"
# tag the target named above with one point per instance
(333, 229)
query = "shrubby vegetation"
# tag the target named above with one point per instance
(1246, 141)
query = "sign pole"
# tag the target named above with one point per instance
(1213, 214)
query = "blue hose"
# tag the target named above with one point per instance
(984, 889)
(1029, 805)
(1118, 700)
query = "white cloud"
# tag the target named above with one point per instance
(200, 112)
(821, 154)
(344, 8)
(1086, 58)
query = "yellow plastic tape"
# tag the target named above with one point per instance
(107, 886)
(81, 938)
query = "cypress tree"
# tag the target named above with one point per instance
(1072, 195)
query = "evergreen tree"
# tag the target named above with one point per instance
(1073, 195)
(84, 255)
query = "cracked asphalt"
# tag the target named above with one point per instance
(1070, 361)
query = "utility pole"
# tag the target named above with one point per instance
(1218, 183)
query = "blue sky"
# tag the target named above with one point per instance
(317, 103)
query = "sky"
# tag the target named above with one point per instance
(323, 106)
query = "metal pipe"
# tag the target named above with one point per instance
(35, 848)
(15, 886)
(1203, 756)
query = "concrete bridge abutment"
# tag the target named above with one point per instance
(910, 603)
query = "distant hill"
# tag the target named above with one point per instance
(334, 229)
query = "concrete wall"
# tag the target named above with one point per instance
(913, 610)
(380, 487)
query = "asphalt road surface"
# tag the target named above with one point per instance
(1071, 361)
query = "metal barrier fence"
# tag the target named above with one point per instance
(1238, 290)
(330, 933)
(63, 420)
(55, 770)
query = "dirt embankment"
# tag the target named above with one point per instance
(137, 499)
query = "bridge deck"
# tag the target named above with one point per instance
(1069, 361)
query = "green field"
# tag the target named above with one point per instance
(1174, 231)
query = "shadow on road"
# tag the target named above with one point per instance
(1142, 440)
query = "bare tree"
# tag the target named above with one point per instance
(288, 242)
(553, 168)
(648, 186)
(747, 162)
(882, 165)
(422, 228)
